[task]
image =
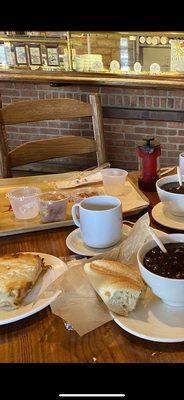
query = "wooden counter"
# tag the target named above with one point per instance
(170, 80)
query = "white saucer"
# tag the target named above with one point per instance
(161, 214)
(76, 244)
(154, 320)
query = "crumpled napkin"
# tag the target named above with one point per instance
(78, 303)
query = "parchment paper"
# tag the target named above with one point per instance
(78, 303)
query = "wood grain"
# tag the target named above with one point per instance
(169, 80)
(41, 110)
(46, 149)
(43, 337)
(97, 120)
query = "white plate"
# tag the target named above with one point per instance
(75, 243)
(161, 214)
(154, 320)
(30, 305)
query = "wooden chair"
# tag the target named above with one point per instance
(44, 149)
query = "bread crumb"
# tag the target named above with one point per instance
(156, 353)
(94, 359)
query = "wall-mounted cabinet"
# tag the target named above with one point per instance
(145, 55)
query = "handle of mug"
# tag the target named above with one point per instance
(75, 211)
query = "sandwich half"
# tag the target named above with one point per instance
(120, 286)
(18, 274)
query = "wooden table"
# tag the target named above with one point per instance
(43, 337)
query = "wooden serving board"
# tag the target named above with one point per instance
(9, 225)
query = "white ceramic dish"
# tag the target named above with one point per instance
(30, 305)
(173, 201)
(154, 320)
(163, 216)
(170, 291)
(75, 243)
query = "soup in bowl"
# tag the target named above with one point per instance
(164, 272)
(171, 194)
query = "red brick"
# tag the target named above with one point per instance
(26, 85)
(133, 122)
(29, 93)
(10, 92)
(118, 100)
(110, 89)
(173, 153)
(134, 101)
(176, 139)
(163, 102)
(147, 131)
(177, 103)
(112, 100)
(156, 102)
(4, 85)
(176, 92)
(156, 123)
(166, 131)
(135, 136)
(148, 101)
(170, 103)
(155, 92)
(181, 147)
(169, 146)
(141, 101)
(175, 124)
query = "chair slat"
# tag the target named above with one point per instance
(41, 110)
(45, 149)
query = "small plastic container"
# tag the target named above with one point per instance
(80, 194)
(24, 202)
(52, 206)
(114, 180)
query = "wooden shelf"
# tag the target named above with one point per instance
(102, 79)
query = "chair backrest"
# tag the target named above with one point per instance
(62, 146)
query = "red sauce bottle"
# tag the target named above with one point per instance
(148, 152)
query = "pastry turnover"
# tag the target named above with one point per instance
(18, 274)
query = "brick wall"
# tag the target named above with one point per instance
(120, 135)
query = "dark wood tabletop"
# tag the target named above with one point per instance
(43, 337)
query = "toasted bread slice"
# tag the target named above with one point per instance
(18, 274)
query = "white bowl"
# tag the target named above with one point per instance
(170, 291)
(174, 201)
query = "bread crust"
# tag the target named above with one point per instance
(18, 274)
(120, 286)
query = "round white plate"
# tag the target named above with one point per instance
(161, 214)
(154, 320)
(75, 243)
(31, 304)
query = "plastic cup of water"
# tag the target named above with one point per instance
(114, 180)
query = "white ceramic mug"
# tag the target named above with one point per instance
(100, 220)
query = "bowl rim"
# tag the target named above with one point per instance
(140, 264)
(165, 191)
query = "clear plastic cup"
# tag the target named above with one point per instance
(114, 180)
(24, 202)
(181, 163)
(52, 206)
